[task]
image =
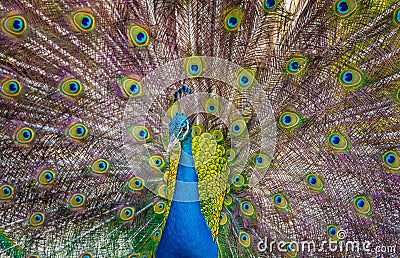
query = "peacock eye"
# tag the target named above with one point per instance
(14, 25)
(363, 205)
(71, 88)
(332, 232)
(127, 213)
(295, 65)
(138, 36)
(247, 209)
(244, 239)
(77, 131)
(233, 19)
(82, 20)
(77, 200)
(391, 160)
(136, 184)
(212, 105)
(315, 183)
(343, 8)
(269, 4)
(194, 66)
(100, 166)
(245, 78)
(351, 78)
(130, 86)
(159, 208)
(281, 202)
(338, 141)
(6, 192)
(290, 120)
(36, 219)
(11, 88)
(223, 218)
(87, 255)
(157, 235)
(24, 135)
(397, 16)
(46, 177)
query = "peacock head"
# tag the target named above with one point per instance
(179, 129)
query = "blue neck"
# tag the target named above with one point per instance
(186, 188)
(187, 172)
(186, 233)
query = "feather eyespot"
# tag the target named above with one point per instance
(245, 79)
(24, 135)
(217, 135)
(363, 205)
(6, 192)
(86, 255)
(134, 256)
(157, 235)
(233, 19)
(290, 120)
(290, 250)
(126, 213)
(162, 190)
(77, 200)
(196, 130)
(238, 182)
(296, 65)
(194, 66)
(157, 162)
(46, 177)
(315, 183)
(351, 78)
(71, 88)
(396, 17)
(280, 201)
(36, 219)
(138, 36)
(159, 208)
(338, 141)
(247, 209)
(228, 200)
(146, 255)
(100, 166)
(332, 232)
(83, 20)
(136, 184)
(77, 131)
(238, 128)
(271, 5)
(244, 239)
(230, 155)
(10, 88)
(344, 8)
(130, 86)
(261, 161)
(14, 24)
(391, 160)
(223, 219)
(140, 134)
(212, 105)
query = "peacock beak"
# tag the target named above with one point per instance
(172, 141)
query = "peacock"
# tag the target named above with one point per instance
(189, 128)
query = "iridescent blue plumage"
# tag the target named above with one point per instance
(186, 233)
